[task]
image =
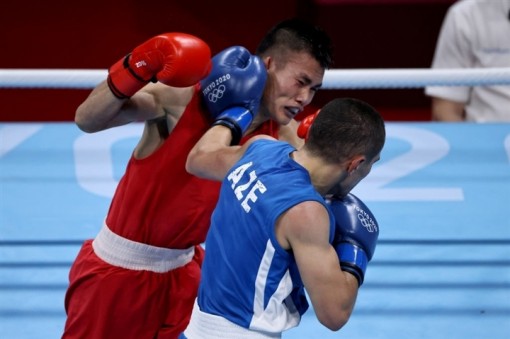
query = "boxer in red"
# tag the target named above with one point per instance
(139, 277)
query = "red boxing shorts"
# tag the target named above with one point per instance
(107, 301)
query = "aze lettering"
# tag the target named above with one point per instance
(252, 187)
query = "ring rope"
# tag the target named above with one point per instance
(333, 78)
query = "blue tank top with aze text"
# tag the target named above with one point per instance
(247, 277)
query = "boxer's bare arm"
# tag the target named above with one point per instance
(101, 110)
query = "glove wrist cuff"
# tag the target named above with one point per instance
(121, 80)
(353, 260)
(234, 129)
(238, 119)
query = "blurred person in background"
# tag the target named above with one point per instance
(474, 34)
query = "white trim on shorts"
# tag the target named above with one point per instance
(132, 255)
(209, 326)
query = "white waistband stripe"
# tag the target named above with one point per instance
(125, 253)
(209, 326)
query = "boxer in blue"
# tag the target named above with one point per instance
(285, 222)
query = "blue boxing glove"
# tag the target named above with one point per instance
(233, 89)
(355, 235)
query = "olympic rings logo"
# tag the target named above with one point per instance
(216, 93)
(367, 222)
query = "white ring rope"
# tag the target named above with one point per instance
(415, 78)
(51, 78)
(333, 79)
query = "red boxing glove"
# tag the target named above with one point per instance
(175, 59)
(305, 124)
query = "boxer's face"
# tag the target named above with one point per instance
(292, 82)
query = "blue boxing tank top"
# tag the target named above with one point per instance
(247, 277)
